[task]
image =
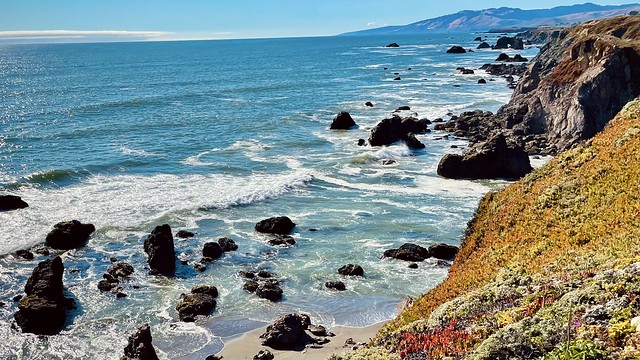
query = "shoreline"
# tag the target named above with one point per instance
(247, 345)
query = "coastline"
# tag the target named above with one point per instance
(248, 344)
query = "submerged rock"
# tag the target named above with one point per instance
(184, 234)
(139, 346)
(159, 246)
(44, 310)
(227, 244)
(275, 225)
(335, 285)
(351, 270)
(11, 202)
(69, 235)
(281, 240)
(342, 121)
(393, 45)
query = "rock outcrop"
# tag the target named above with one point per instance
(408, 252)
(12, 202)
(200, 302)
(275, 225)
(139, 346)
(488, 160)
(69, 235)
(44, 310)
(160, 249)
(343, 121)
(351, 270)
(396, 128)
(456, 50)
(507, 42)
(287, 332)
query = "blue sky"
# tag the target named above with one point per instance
(35, 20)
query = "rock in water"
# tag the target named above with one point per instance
(69, 235)
(456, 50)
(393, 129)
(335, 285)
(11, 202)
(275, 225)
(44, 310)
(408, 252)
(212, 250)
(227, 244)
(184, 234)
(139, 346)
(393, 45)
(484, 45)
(507, 42)
(443, 251)
(201, 301)
(343, 121)
(159, 247)
(492, 159)
(351, 270)
(286, 333)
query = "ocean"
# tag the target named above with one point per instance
(211, 137)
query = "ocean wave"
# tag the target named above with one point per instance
(56, 176)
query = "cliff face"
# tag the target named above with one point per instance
(577, 83)
(549, 267)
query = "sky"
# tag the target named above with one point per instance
(126, 20)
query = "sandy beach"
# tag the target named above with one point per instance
(248, 345)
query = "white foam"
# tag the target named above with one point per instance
(128, 202)
(129, 151)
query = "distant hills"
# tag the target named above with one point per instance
(505, 18)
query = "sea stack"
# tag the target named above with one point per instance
(159, 247)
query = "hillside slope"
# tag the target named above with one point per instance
(505, 17)
(550, 266)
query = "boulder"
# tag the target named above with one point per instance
(160, 249)
(25, 254)
(201, 301)
(484, 45)
(397, 78)
(120, 270)
(269, 290)
(282, 240)
(69, 235)
(286, 333)
(393, 45)
(11, 202)
(479, 38)
(503, 57)
(519, 58)
(44, 310)
(403, 108)
(184, 234)
(412, 142)
(275, 225)
(456, 50)
(443, 251)
(408, 252)
(362, 142)
(342, 121)
(482, 81)
(263, 355)
(507, 42)
(335, 285)
(212, 250)
(351, 270)
(488, 160)
(394, 129)
(139, 346)
(368, 104)
(227, 244)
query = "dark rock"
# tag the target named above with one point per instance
(408, 252)
(16, 298)
(456, 50)
(467, 71)
(393, 45)
(488, 160)
(412, 142)
(335, 285)
(317, 330)
(113, 259)
(413, 266)
(519, 58)
(11, 202)
(160, 249)
(403, 108)
(484, 45)
(286, 333)
(368, 104)
(270, 291)
(275, 225)
(507, 42)
(397, 78)
(479, 38)
(388, 162)
(196, 304)
(120, 270)
(248, 274)
(69, 235)
(443, 251)
(184, 234)
(393, 129)
(106, 285)
(482, 81)
(281, 240)
(504, 69)
(212, 250)
(42, 251)
(362, 142)
(250, 286)
(342, 121)
(264, 274)
(43, 311)
(139, 346)
(121, 295)
(200, 267)
(263, 355)
(351, 270)
(503, 57)
(25, 254)
(227, 244)
(213, 357)
(205, 289)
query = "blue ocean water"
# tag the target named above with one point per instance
(213, 136)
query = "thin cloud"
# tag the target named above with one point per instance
(371, 24)
(61, 35)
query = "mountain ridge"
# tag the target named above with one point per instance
(504, 17)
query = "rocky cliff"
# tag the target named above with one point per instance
(577, 83)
